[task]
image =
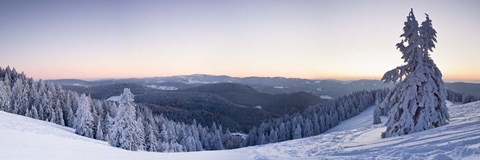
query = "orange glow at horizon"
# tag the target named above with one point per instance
(134, 73)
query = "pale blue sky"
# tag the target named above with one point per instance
(306, 39)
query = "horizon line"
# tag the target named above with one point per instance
(253, 76)
(327, 77)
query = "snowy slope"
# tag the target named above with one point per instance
(458, 140)
(25, 138)
(364, 119)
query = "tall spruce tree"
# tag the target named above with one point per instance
(4, 97)
(125, 128)
(83, 117)
(417, 102)
(99, 131)
(19, 97)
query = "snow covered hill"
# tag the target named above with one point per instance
(26, 138)
(23, 138)
(458, 140)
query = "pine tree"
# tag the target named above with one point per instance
(376, 115)
(377, 112)
(151, 141)
(140, 134)
(7, 91)
(217, 138)
(108, 127)
(32, 96)
(308, 128)
(41, 100)
(83, 117)
(99, 131)
(58, 114)
(316, 124)
(19, 98)
(32, 113)
(262, 139)
(188, 144)
(297, 132)
(125, 128)
(417, 102)
(252, 138)
(4, 96)
(51, 95)
(273, 136)
(69, 116)
(323, 125)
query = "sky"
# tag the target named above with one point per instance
(304, 39)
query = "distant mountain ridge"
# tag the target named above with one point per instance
(467, 88)
(271, 85)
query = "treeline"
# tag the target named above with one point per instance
(451, 96)
(122, 123)
(461, 97)
(315, 119)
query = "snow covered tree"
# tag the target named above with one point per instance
(308, 128)
(140, 134)
(377, 112)
(216, 141)
(4, 97)
(188, 143)
(125, 127)
(273, 137)
(41, 100)
(417, 102)
(83, 117)
(108, 127)
(297, 132)
(19, 98)
(58, 115)
(32, 112)
(151, 141)
(262, 139)
(316, 124)
(7, 91)
(99, 131)
(376, 115)
(69, 116)
(32, 100)
(252, 138)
